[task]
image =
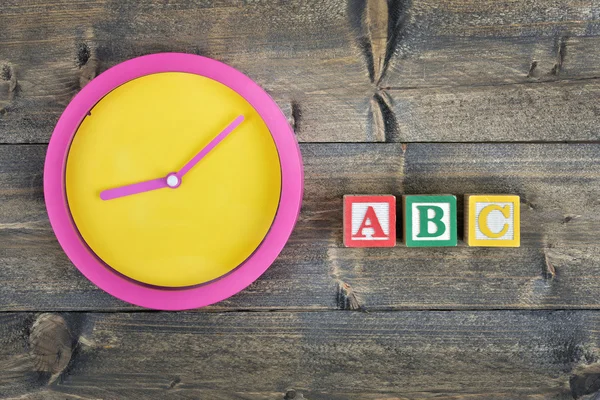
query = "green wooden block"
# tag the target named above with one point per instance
(429, 220)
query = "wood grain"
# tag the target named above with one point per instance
(327, 322)
(560, 111)
(558, 265)
(494, 42)
(343, 71)
(323, 355)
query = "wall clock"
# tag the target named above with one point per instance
(172, 181)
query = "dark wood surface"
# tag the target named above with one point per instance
(469, 96)
(343, 70)
(558, 184)
(320, 355)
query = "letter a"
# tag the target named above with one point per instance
(370, 221)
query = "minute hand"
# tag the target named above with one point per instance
(172, 180)
(190, 164)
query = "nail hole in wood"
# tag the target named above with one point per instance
(83, 54)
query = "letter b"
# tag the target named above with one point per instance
(429, 220)
(426, 220)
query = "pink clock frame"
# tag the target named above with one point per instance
(124, 288)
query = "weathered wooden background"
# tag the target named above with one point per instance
(397, 96)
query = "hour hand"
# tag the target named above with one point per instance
(134, 188)
(173, 180)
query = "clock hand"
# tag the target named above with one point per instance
(213, 143)
(172, 180)
(134, 188)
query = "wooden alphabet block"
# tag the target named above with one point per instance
(369, 221)
(429, 220)
(492, 220)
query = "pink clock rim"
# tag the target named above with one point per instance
(122, 287)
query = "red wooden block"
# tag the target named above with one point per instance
(369, 221)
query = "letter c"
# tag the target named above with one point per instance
(483, 219)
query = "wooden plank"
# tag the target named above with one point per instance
(561, 111)
(333, 67)
(557, 266)
(301, 52)
(496, 42)
(312, 355)
(557, 183)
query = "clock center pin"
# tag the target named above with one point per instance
(173, 181)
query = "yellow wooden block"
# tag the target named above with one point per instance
(492, 220)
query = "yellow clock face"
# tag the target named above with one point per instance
(150, 127)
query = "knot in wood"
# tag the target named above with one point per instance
(50, 344)
(293, 395)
